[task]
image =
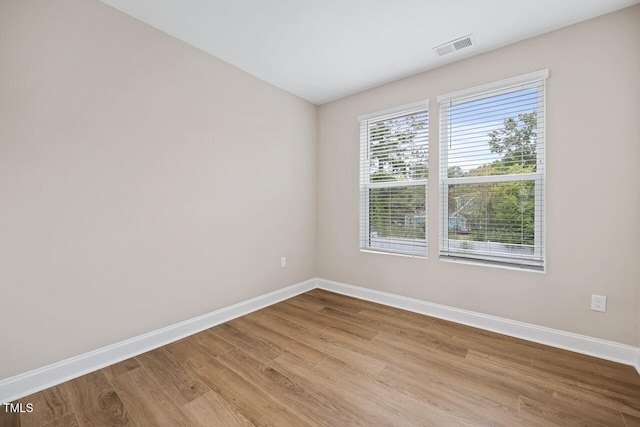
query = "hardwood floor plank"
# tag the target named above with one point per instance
(214, 344)
(67, 421)
(353, 352)
(531, 380)
(465, 405)
(418, 349)
(630, 420)
(328, 300)
(589, 374)
(120, 368)
(435, 366)
(302, 373)
(95, 402)
(415, 318)
(49, 406)
(9, 419)
(179, 382)
(606, 367)
(537, 414)
(380, 323)
(338, 298)
(419, 320)
(212, 410)
(192, 354)
(372, 322)
(254, 344)
(485, 341)
(310, 406)
(319, 321)
(496, 348)
(303, 351)
(401, 321)
(146, 400)
(321, 343)
(364, 410)
(564, 415)
(585, 411)
(258, 407)
(399, 408)
(305, 304)
(294, 315)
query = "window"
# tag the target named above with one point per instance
(393, 180)
(492, 177)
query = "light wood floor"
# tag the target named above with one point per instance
(326, 359)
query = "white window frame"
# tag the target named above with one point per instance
(539, 177)
(366, 185)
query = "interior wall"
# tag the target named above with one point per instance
(593, 185)
(142, 182)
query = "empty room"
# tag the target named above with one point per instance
(319, 213)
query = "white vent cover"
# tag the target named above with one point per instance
(454, 45)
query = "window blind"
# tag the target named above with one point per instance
(393, 180)
(492, 177)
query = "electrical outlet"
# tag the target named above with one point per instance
(283, 262)
(598, 303)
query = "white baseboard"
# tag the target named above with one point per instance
(602, 349)
(48, 376)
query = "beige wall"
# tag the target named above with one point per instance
(142, 182)
(593, 198)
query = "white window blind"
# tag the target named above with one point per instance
(393, 180)
(492, 177)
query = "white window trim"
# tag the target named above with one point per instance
(540, 178)
(477, 91)
(365, 185)
(395, 111)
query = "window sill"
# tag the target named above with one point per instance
(403, 255)
(494, 264)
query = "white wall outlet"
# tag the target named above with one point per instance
(598, 303)
(283, 262)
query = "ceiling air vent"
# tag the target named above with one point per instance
(454, 45)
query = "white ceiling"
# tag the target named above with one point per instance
(322, 50)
